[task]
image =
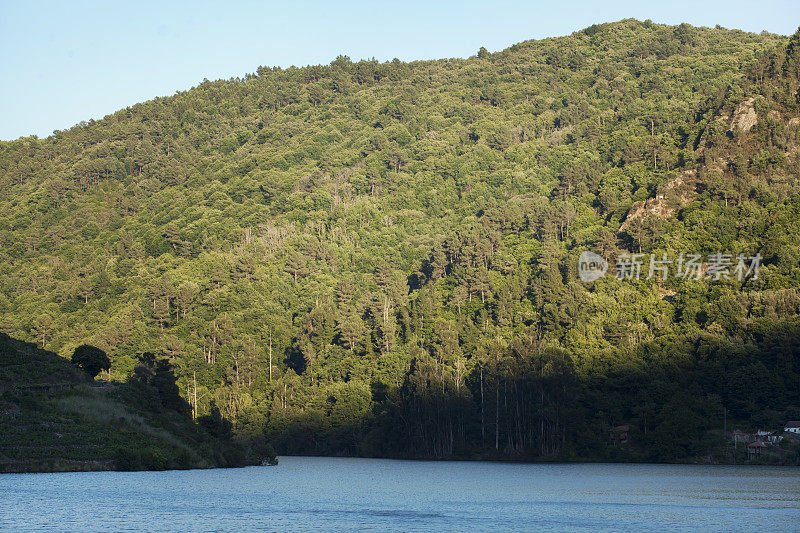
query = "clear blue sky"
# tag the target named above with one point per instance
(63, 62)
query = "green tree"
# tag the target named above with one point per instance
(91, 359)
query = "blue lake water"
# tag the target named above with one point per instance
(337, 494)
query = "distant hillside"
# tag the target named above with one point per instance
(53, 417)
(382, 258)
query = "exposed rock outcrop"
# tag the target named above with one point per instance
(745, 116)
(677, 192)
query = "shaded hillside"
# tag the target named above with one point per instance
(330, 251)
(53, 417)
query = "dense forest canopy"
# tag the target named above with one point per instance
(380, 258)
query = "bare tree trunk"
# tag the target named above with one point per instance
(497, 416)
(483, 425)
(194, 405)
(270, 356)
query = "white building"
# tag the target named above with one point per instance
(768, 436)
(793, 426)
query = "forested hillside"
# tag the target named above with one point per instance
(381, 258)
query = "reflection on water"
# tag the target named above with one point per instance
(376, 494)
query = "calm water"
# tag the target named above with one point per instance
(375, 494)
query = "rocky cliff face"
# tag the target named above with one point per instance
(740, 152)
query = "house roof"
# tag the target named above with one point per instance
(792, 424)
(624, 427)
(757, 444)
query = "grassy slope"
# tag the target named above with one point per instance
(54, 418)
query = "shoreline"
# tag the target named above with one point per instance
(63, 465)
